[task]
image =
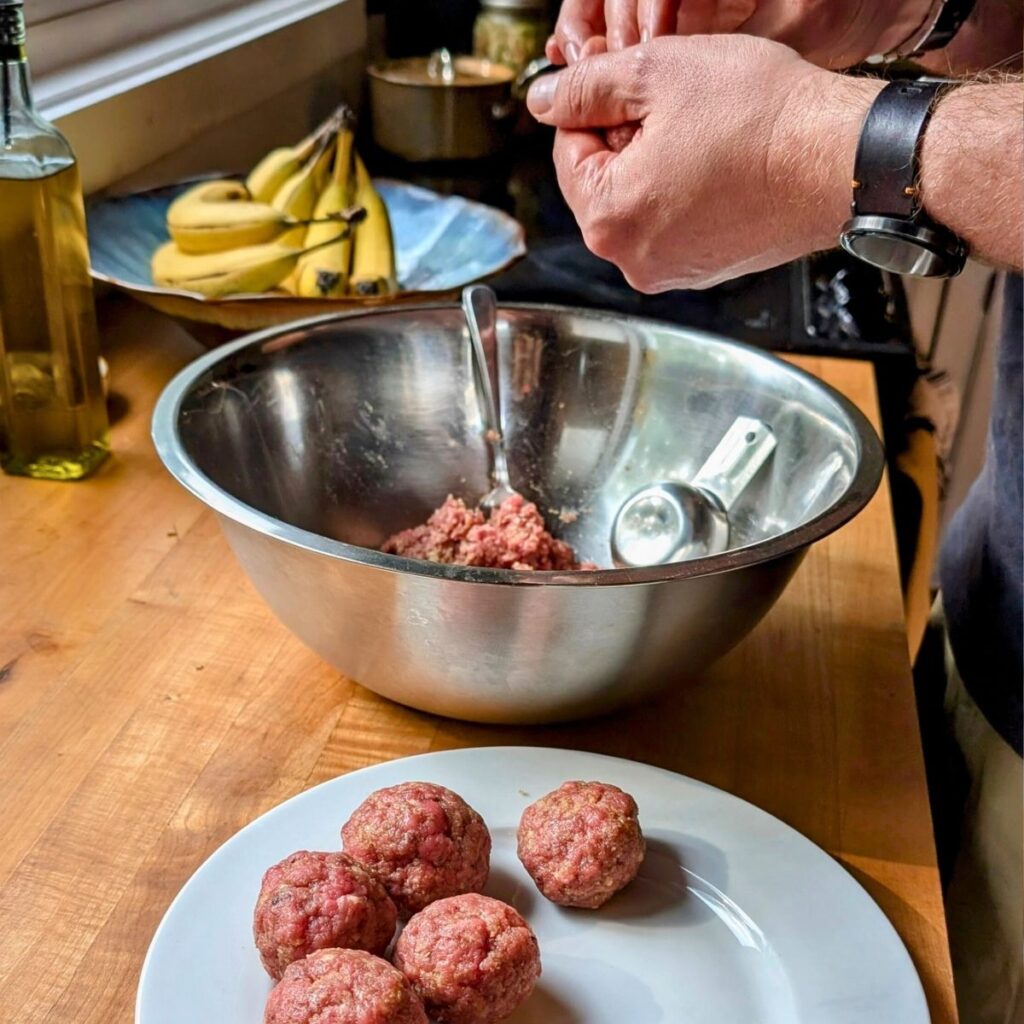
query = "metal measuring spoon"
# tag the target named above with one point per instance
(480, 306)
(670, 521)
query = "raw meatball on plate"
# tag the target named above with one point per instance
(471, 959)
(312, 901)
(343, 986)
(423, 841)
(582, 843)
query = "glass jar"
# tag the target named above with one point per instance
(511, 32)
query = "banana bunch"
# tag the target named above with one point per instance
(292, 225)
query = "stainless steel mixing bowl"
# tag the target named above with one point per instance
(314, 442)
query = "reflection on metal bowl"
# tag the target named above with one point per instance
(315, 442)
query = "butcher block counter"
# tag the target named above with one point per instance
(151, 705)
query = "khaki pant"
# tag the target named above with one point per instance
(985, 895)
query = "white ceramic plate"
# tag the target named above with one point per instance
(735, 918)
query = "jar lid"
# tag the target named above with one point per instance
(526, 6)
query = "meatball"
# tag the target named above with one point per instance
(315, 901)
(470, 958)
(422, 841)
(343, 986)
(582, 843)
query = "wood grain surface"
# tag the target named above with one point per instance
(151, 705)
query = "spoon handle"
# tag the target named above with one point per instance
(735, 460)
(480, 306)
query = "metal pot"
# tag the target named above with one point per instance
(441, 107)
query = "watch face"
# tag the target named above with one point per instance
(901, 247)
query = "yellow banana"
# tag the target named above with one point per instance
(324, 273)
(253, 268)
(373, 254)
(219, 190)
(267, 177)
(213, 226)
(273, 170)
(297, 197)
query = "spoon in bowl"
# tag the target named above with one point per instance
(671, 521)
(480, 306)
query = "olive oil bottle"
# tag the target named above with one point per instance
(53, 419)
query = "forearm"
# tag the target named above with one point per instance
(972, 169)
(971, 163)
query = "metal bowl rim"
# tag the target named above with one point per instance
(169, 447)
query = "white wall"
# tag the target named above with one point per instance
(225, 111)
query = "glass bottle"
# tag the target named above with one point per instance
(53, 419)
(511, 32)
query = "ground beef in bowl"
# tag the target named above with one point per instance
(512, 537)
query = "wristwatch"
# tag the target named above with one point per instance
(888, 227)
(944, 20)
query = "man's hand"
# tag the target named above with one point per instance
(839, 35)
(832, 33)
(627, 22)
(742, 160)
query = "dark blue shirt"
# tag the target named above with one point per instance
(982, 560)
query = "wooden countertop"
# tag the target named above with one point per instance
(151, 705)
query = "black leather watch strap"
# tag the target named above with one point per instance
(886, 169)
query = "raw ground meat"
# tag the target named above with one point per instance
(343, 986)
(514, 537)
(422, 841)
(582, 843)
(471, 959)
(313, 901)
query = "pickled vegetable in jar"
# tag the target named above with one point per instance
(512, 32)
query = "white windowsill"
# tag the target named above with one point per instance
(129, 109)
(65, 92)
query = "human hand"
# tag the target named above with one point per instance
(742, 160)
(627, 22)
(839, 35)
(826, 32)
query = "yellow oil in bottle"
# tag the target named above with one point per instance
(53, 419)
(53, 412)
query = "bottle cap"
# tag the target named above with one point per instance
(12, 24)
